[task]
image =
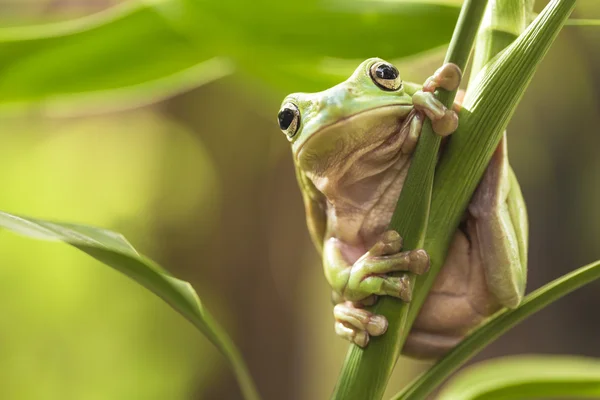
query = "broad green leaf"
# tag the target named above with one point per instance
(527, 377)
(115, 251)
(143, 51)
(496, 326)
(340, 29)
(302, 48)
(109, 53)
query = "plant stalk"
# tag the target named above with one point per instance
(366, 371)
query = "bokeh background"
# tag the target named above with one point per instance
(199, 178)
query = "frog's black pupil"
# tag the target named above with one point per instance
(285, 117)
(385, 71)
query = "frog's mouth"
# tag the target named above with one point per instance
(363, 130)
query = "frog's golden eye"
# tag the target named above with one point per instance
(289, 119)
(386, 76)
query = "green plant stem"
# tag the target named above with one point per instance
(366, 371)
(488, 106)
(496, 326)
(490, 103)
(502, 23)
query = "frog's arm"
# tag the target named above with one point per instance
(314, 206)
(411, 88)
(500, 219)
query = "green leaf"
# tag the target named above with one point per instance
(527, 377)
(496, 326)
(333, 28)
(305, 48)
(100, 55)
(115, 251)
(140, 52)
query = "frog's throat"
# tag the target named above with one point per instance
(401, 110)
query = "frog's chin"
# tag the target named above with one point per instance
(358, 133)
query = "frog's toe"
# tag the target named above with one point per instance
(397, 286)
(448, 77)
(419, 261)
(445, 125)
(427, 103)
(351, 334)
(390, 242)
(415, 261)
(357, 324)
(368, 275)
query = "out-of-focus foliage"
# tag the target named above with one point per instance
(203, 183)
(67, 324)
(527, 377)
(189, 43)
(115, 251)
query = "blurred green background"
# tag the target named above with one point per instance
(126, 127)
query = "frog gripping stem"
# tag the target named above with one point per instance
(443, 120)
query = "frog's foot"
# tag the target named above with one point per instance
(443, 120)
(368, 275)
(448, 77)
(357, 324)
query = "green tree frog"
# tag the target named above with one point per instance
(352, 146)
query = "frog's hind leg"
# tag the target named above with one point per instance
(499, 225)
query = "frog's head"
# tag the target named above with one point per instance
(359, 113)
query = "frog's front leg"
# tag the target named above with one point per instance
(443, 120)
(357, 280)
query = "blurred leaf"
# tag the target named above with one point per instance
(341, 29)
(526, 377)
(115, 251)
(583, 22)
(302, 48)
(138, 43)
(122, 47)
(136, 172)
